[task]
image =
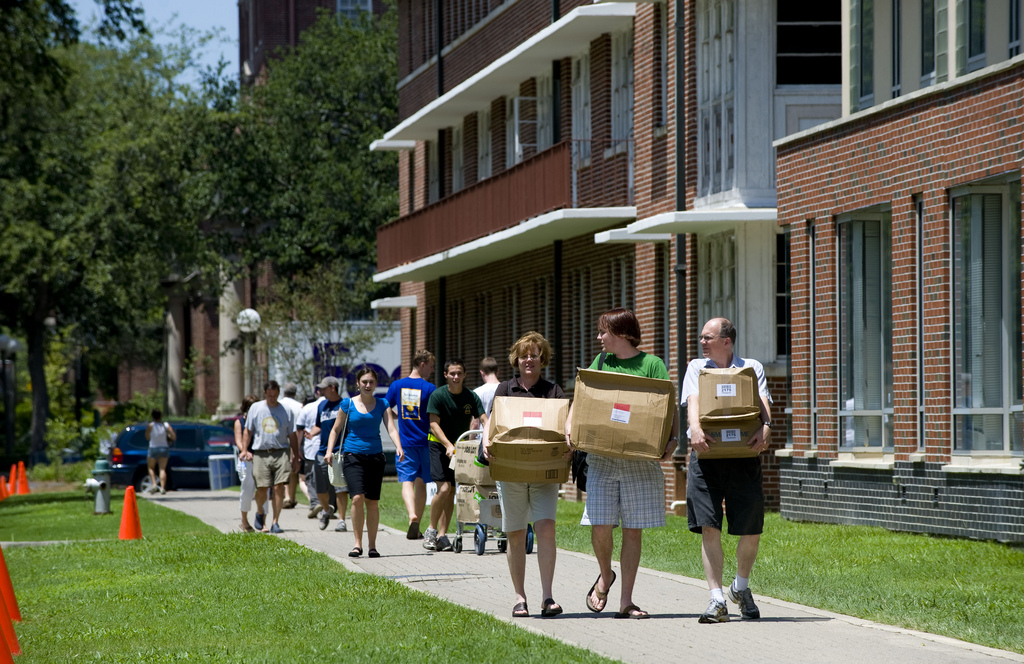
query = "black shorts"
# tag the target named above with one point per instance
(364, 474)
(735, 481)
(440, 464)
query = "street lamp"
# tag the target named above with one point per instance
(8, 347)
(248, 322)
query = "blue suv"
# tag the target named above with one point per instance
(188, 466)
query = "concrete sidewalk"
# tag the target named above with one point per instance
(787, 632)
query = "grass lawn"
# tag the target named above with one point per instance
(188, 592)
(965, 589)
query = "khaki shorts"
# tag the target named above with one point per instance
(522, 502)
(271, 467)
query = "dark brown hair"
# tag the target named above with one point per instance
(621, 323)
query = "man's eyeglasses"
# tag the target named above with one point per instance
(709, 337)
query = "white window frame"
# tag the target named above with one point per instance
(716, 277)
(581, 110)
(716, 115)
(622, 86)
(483, 145)
(545, 125)
(1008, 324)
(857, 421)
(513, 145)
(620, 276)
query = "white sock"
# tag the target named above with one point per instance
(718, 596)
(740, 583)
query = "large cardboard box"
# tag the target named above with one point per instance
(528, 440)
(467, 469)
(731, 438)
(623, 416)
(728, 393)
(478, 504)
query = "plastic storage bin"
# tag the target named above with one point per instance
(222, 471)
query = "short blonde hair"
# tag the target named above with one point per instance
(521, 346)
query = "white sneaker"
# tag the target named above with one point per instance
(341, 527)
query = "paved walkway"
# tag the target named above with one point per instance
(787, 632)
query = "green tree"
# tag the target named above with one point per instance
(95, 209)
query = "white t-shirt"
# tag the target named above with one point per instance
(690, 378)
(486, 394)
(294, 406)
(269, 427)
(307, 421)
(158, 435)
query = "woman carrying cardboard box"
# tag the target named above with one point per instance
(625, 492)
(522, 502)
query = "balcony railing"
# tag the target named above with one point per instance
(569, 174)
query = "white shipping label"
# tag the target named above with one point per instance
(620, 413)
(731, 436)
(726, 390)
(533, 419)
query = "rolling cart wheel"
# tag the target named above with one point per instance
(480, 539)
(529, 538)
(458, 544)
(502, 546)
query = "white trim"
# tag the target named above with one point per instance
(528, 235)
(381, 145)
(709, 220)
(623, 236)
(561, 39)
(403, 302)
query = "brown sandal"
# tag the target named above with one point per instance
(600, 595)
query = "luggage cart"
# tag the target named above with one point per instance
(488, 526)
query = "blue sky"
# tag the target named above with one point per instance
(203, 15)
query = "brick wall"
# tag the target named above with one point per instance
(924, 147)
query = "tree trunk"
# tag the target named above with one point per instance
(36, 333)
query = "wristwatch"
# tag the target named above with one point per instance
(767, 424)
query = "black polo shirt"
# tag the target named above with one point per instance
(544, 389)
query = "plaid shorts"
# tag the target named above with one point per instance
(625, 492)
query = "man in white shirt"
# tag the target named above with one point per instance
(310, 442)
(270, 441)
(489, 374)
(294, 406)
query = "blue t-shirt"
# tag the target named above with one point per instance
(363, 435)
(326, 413)
(411, 396)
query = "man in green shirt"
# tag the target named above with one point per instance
(451, 409)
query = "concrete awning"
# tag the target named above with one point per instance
(531, 234)
(566, 37)
(623, 236)
(402, 302)
(709, 220)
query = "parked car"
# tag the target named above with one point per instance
(188, 465)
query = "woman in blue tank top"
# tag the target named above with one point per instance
(363, 455)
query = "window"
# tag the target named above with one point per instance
(433, 173)
(458, 160)
(513, 147)
(716, 276)
(187, 439)
(622, 86)
(808, 37)
(545, 113)
(919, 213)
(865, 332)
(350, 8)
(716, 60)
(543, 299)
(483, 145)
(782, 295)
(975, 34)
(986, 320)
(866, 53)
(895, 61)
(581, 110)
(620, 276)
(584, 323)
(927, 43)
(1014, 37)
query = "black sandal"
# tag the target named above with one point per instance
(520, 611)
(550, 608)
(355, 552)
(372, 553)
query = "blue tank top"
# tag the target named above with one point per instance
(363, 435)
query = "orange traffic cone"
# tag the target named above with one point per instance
(22, 479)
(130, 528)
(3, 487)
(7, 591)
(12, 486)
(5, 650)
(7, 627)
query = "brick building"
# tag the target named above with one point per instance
(562, 158)
(904, 219)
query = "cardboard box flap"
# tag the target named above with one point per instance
(730, 392)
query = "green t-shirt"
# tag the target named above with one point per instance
(456, 411)
(647, 366)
